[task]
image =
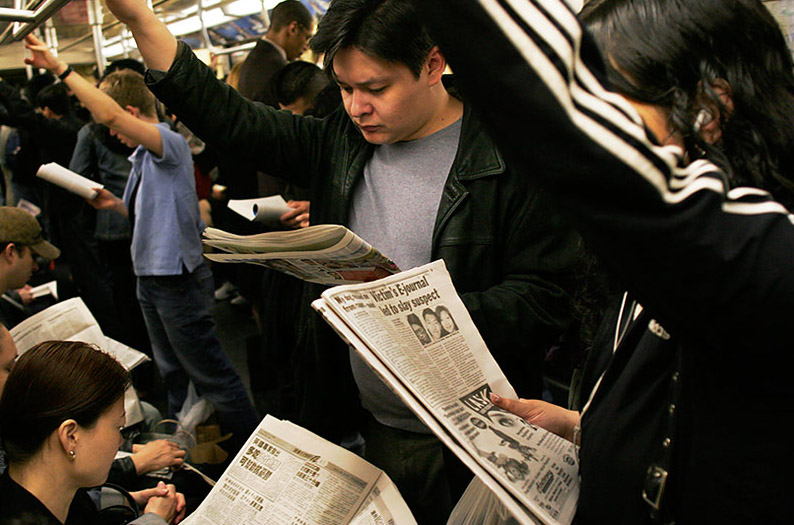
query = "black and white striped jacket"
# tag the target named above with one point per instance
(713, 266)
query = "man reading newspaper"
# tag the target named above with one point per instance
(406, 166)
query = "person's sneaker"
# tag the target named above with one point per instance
(225, 291)
(239, 300)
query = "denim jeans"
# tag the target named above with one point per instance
(178, 314)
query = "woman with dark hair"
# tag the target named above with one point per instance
(61, 414)
(446, 320)
(715, 76)
(666, 379)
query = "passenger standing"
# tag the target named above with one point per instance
(683, 424)
(408, 168)
(291, 27)
(174, 283)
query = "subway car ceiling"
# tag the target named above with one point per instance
(84, 32)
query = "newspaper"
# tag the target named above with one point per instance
(71, 320)
(325, 254)
(29, 207)
(286, 474)
(68, 180)
(50, 288)
(415, 332)
(267, 210)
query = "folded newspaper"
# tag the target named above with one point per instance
(325, 254)
(286, 474)
(71, 320)
(416, 334)
(266, 210)
(68, 180)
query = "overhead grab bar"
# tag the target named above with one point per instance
(8, 14)
(28, 24)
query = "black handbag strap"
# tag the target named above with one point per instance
(118, 513)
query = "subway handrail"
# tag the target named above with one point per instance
(20, 28)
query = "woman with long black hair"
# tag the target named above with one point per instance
(688, 385)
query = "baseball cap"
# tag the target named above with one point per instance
(20, 227)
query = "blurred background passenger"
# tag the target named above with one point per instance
(69, 222)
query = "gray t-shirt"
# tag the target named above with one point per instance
(394, 208)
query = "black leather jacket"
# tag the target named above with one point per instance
(508, 252)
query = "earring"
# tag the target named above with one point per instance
(72, 455)
(704, 116)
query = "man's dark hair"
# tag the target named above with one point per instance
(36, 84)
(298, 79)
(55, 97)
(290, 11)
(124, 63)
(386, 29)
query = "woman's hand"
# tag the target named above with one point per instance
(553, 418)
(156, 455)
(162, 500)
(42, 57)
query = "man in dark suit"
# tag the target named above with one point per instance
(291, 27)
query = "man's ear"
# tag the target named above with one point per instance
(709, 119)
(435, 65)
(8, 252)
(132, 110)
(293, 27)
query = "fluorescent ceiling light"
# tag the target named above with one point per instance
(113, 50)
(243, 7)
(185, 27)
(216, 17)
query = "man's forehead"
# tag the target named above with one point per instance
(352, 66)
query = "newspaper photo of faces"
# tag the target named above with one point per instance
(434, 325)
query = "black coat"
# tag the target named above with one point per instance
(508, 253)
(257, 71)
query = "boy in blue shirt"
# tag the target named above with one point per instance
(175, 285)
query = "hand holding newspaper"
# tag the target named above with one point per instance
(286, 474)
(415, 332)
(68, 180)
(71, 320)
(325, 254)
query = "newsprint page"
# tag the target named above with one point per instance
(286, 475)
(415, 332)
(325, 253)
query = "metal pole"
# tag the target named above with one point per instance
(16, 15)
(124, 45)
(95, 19)
(51, 37)
(43, 12)
(265, 16)
(204, 33)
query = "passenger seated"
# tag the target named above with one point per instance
(61, 415)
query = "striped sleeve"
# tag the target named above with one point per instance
(698, 254)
